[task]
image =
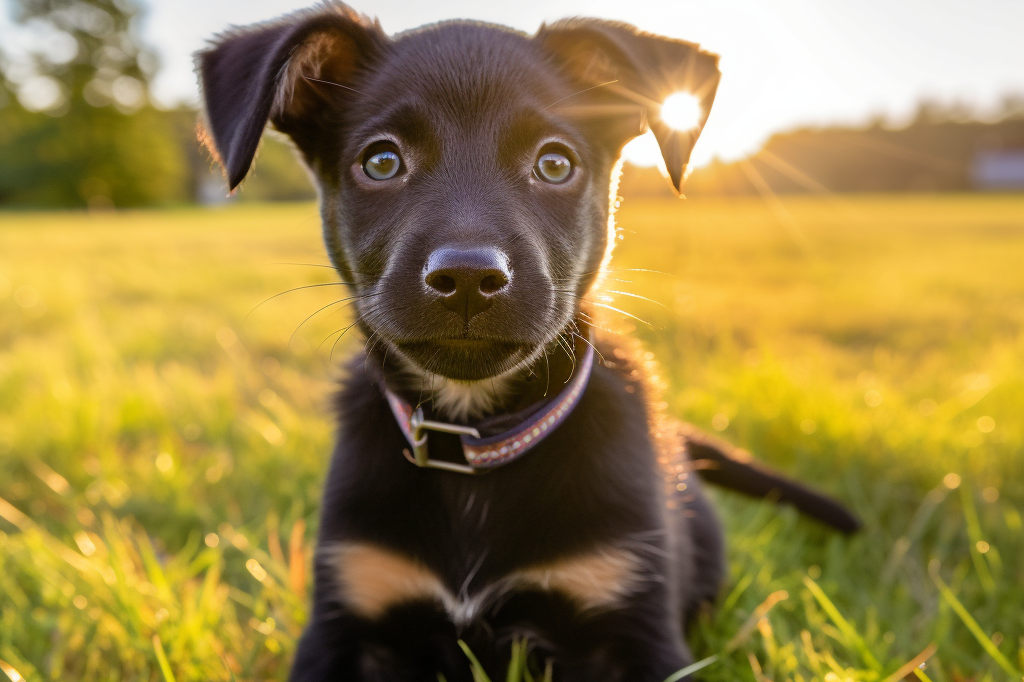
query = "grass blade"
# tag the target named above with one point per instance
(844, 626)
(11, 673)
(760, 612)
(518, 662)
(975, 535)
(478, 670)
(692, 668)
(161, 658)
(913, 664)
(983, 639)
(921, 675)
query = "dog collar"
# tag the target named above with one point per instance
(484, 454)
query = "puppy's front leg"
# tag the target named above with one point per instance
(328, 650)
(373, 622)
(639, 649)
(410, 645)
(333, 645)
(639, 640)
(627, 661)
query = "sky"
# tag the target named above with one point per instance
(785, 63)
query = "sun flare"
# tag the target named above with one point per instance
(681, 111)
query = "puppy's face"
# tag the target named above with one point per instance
(469, 212)
(464, 169)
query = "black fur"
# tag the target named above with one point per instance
(469, 107)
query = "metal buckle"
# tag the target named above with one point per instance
(419, 426)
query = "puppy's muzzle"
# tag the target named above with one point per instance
(467, 280)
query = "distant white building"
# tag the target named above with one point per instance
(998, 169)
(213, 189)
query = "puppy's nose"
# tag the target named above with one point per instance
(467, 279)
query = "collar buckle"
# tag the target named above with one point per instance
(486, 454)
(421, 457)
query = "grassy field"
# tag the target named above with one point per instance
(162, 444)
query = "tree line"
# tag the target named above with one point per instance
(939, 151)
(78, 129)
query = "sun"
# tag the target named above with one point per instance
(682, 111)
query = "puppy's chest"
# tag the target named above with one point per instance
(581, 517)
(475, 548)
(372, 579)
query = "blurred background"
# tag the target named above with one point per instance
(841, 293)
(98, 99)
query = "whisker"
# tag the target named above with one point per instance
(346, 301)
(423, 376)
(337, 85)
(580, 92)
(337, 340)
(311, 265)
(642, 298)
(568, 350)
(432, 377)
(587, 341)
(423, 388)
(591, 323)
(342, 330)
(607, 270)
(623, 312)
(368, 350)
(384, 360)
(359, 318)
(306, 286)
(547, 373)
(656, 272)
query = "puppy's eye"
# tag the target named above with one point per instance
(553, 167)
(382, 165)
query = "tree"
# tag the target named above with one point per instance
(98, 57)
(82, 130)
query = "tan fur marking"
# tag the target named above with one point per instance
(593, 581)
(373, 579)
(307, 60)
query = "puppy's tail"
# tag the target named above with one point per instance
(723, 465)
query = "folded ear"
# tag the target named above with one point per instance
(259, 73)
(632, 73)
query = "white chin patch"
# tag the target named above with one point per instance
(463, 400)
(459, 401)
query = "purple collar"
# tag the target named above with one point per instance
(484, 454)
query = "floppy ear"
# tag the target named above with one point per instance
(259, 73)
(632, 73)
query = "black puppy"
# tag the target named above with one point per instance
(495, 477)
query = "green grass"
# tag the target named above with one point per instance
(161, 448)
